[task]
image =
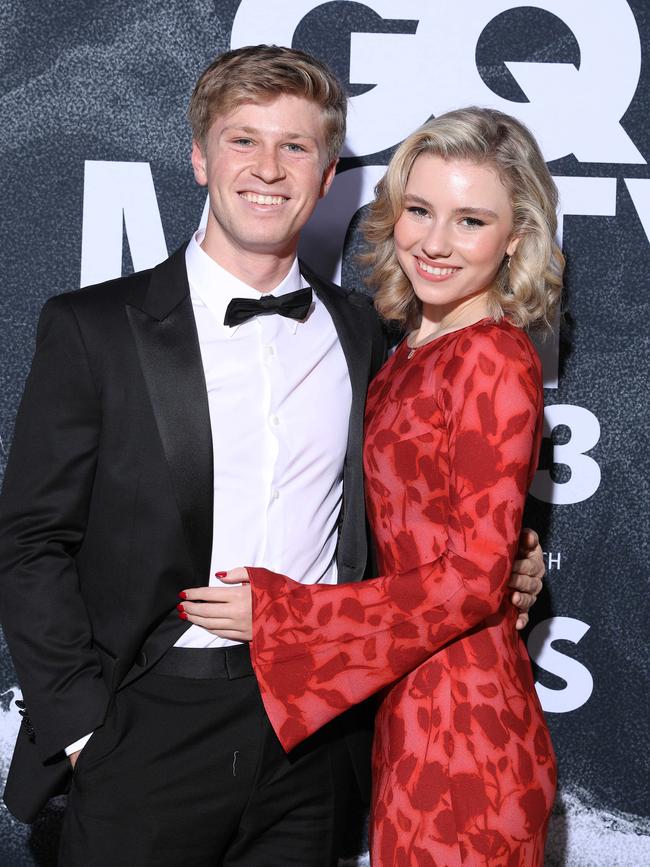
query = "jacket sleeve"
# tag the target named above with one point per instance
(318, 649)
(43, 514)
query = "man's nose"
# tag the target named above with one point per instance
(268, 166)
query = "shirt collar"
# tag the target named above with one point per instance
(215, 287)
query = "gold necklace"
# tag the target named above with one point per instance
(413, 348)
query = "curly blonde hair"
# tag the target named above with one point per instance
(527, 286)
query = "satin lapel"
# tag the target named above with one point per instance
(350, 313)
(164, 329)
(356, 345)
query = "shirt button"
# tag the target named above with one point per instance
(275, 495)
(269, 351)
(275, 420)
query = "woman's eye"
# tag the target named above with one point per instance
(472, 222)
(416, 211)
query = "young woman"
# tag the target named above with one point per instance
(463, 255)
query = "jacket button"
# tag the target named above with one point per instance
(142, 659)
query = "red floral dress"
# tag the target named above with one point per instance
(463, 767)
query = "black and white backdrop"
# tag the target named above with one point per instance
(96, 181)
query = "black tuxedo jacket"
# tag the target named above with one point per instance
(106, 510)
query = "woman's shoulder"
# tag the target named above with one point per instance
(489, 343)
(488, 368)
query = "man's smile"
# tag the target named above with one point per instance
(260, 199)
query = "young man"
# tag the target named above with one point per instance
(176, 422)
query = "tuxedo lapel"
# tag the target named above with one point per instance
(165, 334)
(355, 343)
(350, 314)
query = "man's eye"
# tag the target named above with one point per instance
(244, 142)
(295, 148)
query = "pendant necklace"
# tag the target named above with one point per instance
(413, 348)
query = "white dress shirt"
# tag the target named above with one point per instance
(279, 398)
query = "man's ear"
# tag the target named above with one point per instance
(198, 164)
(328, 177)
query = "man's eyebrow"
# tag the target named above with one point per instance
(251, 130)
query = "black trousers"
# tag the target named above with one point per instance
(189, 773)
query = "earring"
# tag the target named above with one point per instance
(507, 262)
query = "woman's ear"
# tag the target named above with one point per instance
(512, 245)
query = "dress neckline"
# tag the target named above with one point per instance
(412, 351)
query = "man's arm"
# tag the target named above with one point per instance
(43, 515)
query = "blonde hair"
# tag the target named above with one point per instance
(527, 286)
(260, 73)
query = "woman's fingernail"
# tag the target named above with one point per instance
(180, 606)
(182, 595)
(182, 615)
(220, 574)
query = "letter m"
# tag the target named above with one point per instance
(119, 200)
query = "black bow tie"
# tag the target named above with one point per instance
(294, 305)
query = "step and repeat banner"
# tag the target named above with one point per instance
(97, 183)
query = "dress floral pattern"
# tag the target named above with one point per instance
(463, 768)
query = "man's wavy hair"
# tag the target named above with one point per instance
(260, 73)
(526, 288)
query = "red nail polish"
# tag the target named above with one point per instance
(220, 574)
(182, 615)
(180, 607)
(182, 595)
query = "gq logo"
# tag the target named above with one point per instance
(570, 110)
